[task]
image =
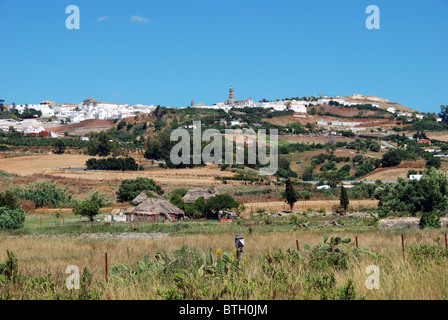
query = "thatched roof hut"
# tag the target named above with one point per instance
(156, 209)
(145, 195)
(193, 194)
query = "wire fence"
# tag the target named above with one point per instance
(390, 244)
(101, 260)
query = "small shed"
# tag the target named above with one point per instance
(194, 194)
(155, 209)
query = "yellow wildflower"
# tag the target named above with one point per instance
(219, 251)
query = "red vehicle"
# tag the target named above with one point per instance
(225, 217)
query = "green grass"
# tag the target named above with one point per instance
(75, 225)
(280, 142)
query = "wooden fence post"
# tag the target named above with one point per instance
(297, 245)
(402, 246)
(105, 260)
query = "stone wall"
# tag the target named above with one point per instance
(405, 223)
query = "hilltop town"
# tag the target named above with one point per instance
(48, 116)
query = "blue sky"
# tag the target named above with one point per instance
(174, 51)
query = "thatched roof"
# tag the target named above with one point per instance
(153, 206)
(193, 194)
(144, 196)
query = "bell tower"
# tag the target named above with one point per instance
(231, 96)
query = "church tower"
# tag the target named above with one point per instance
(231, 96)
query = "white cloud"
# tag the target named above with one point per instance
(101, 19)
(139, 19)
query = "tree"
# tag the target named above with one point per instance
(2, 106)
(433, 162)
(59, 147)
(414, 197)
(308, 174)
(99, 144)
(391, 158)
(158, 147)
(290, 196)
(88, 208)
(131, 188)
(343, 199)
(220, 202)
(444, 113)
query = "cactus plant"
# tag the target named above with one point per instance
(332, 252)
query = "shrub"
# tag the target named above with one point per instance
(426, 253)
(180, 191)
(363, 170)
(177, 201)
(10, 268)
(430, 220)
(43, 194)
(11, 219)
(9, 200)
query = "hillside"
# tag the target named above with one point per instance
(384, 103)
(85, 127)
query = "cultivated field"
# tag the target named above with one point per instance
(48, 164)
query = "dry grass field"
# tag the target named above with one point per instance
(48, 164)
(399, 278)
(328, 205)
